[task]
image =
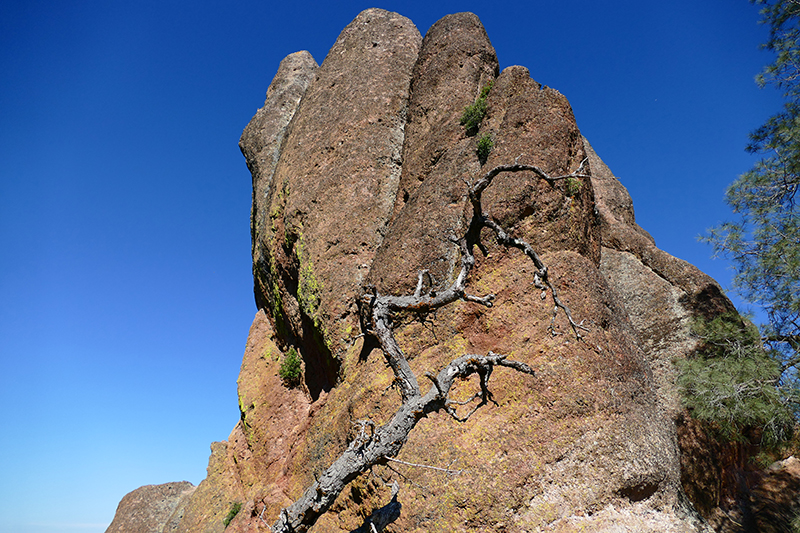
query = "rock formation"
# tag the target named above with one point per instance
(360, 169)
(152, 509)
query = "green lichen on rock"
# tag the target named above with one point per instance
(308, 286)
(247, 427)
(275, 299)
(278, 205)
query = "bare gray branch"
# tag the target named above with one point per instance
(378, 446)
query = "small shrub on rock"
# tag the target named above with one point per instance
(573, 186)
(473, 114)
(232, 512)
(485, 145)
(291, 368)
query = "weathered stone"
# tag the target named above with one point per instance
(534, 125)
(614, 204)
(357, 194)
(261, 144)
(456, 60)
(335, 185)
(270, 413)
(152, 508)
(210, 503)
(662, 296)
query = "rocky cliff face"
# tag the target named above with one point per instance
(152, 508)
(359, 173)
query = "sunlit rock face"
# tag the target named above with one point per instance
(152, 508)
(360, 170)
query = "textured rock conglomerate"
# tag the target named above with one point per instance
(334, 187)
(456, 60)
(261, 145)
(360, 176)
(152, 509)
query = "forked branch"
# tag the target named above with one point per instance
(377, 446)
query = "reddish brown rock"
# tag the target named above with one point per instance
(335, 185)
(456, 60)
(534, 125)
(261, 144)
(588, 433)
(368, 186)
(214, 497)
(661, 296)
(152, 508)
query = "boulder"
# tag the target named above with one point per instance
(152, 509)
(455, 62)
(334, 188)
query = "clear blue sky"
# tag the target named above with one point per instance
(126, 291)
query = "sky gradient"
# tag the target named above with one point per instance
(125, 276)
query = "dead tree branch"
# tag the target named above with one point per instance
(429, 467)
(378, 318)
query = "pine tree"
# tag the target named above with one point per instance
(764, 242)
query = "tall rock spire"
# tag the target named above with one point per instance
(361, 170)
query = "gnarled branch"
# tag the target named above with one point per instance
(378, 317)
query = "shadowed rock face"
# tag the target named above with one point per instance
(334, 187)
(261, 145)
(359, 173)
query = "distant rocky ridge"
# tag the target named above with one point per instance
(359, 168)
(152, 508)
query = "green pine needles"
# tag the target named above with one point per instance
(291, 370)
(763, 240)
(734, 384)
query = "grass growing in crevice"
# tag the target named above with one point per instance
(232, 512)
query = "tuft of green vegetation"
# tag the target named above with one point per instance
(762, 242)
(232, 512)
(473, 114)
(291, 368)
(308, 287)
(734, 384)
(485, 145)
(573, 186)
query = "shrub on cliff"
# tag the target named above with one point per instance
(291, 370)
(473, 114)
(232, 512)
(763, 243)
(485, 145)
(733, 383)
